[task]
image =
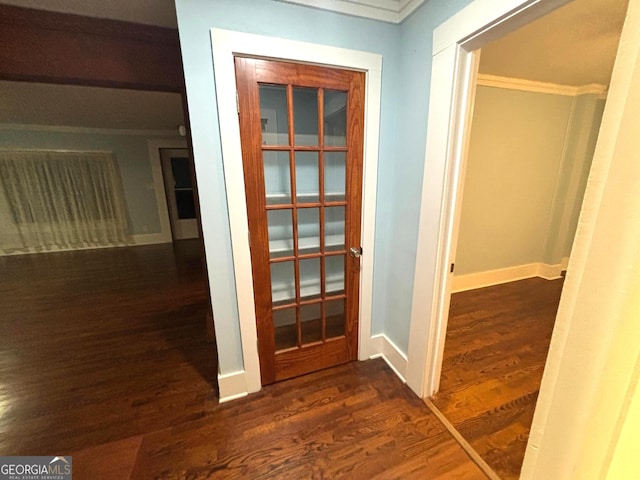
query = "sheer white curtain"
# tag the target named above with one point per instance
(60, 200)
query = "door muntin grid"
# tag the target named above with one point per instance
(305, 210)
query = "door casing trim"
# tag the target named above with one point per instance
(225, 45)
(452, 82)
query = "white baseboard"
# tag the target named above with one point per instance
(549, 272)
(472, 281)
(56, 249)
(146, 239)
(391, 354)
(151, 238)
(232, 386)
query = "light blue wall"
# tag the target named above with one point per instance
(133, 158)
(406, 51)
(409, 160)
(195, 19)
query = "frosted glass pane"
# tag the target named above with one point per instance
(335, 176)
(277, 180)
(335, 118)
(273, 115)
(285, 328)
(334, 227)
(283, 283)
(334, 271)
(310, 278)
(305, 116)
(335, 316)
(307, 177)
(280, 230)
(311, 317)
(308, 230)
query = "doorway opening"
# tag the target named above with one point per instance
(141, 304)
(177, 168)
(500, 333)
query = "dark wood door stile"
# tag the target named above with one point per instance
(304, 355)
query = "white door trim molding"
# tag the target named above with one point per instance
(226, 44)
(452, 84)
(454, 42)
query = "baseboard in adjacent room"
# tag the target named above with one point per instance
(472, 281)
(138, 240)
(151, 238)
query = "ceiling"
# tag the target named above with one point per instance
(93, 107)
(151, 12)
(162, 12)
(575, 45)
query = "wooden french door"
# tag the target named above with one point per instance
(302, 141)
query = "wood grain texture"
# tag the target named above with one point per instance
(101, 345)
(495, 351)
(356, 421)
(103, 356)
(250, 74)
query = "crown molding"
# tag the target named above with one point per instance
(86, 130)
(391, 11)
(541, 87)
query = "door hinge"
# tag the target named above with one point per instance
(453, 265)
(237, 103)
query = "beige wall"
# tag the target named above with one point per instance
(529, 156)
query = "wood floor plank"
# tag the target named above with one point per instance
(495, 350)
(103, 355)
(326, 435)
(110, 461)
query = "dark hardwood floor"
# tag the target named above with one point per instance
(495, 351)
(99, 345)
(103, 357)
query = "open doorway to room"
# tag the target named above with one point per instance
(539, 101)
(130, 309)
(105, 313)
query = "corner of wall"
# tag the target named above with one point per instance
(383, 347)
(232, 386)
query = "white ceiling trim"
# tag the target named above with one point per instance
(392, 11)
(486, 80)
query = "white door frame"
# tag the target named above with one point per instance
(226, 44)
(588, 438)
(454, 66)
